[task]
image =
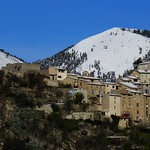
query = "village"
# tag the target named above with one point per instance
(128, 98)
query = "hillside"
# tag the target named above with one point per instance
(105, 55)
(6, 58)
(25, 125)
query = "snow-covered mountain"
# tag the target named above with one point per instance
(114, 50)
(6, 58)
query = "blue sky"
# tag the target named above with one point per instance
(36, 29)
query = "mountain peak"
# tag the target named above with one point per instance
(6, 58)
(110, 52)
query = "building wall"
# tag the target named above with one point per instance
(147, 110)
(123, 123)
(20, 68)
(70, 80)
(83, 115)
(144, 66)
(112, 105)
(52, 71)
(137, 106)
(95, 90)
(97, 108)
(109, 87)
(144, 77)
(61, 74)
(135, 74)
(23, 67)
(57, 73)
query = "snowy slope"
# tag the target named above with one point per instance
(6, 58)
(116, 49)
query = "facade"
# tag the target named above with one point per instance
(71, 79)
(143, 75)
(56, 73)
(95, 89)
(144, 66)
(112, 104)
(20, 68)
(136, 106)
(83, 115)
(109, 87)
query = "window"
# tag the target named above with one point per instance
(92, 91)
(146, 113)
(137, 112)
(60, 70)
(146, 91)
(137, 104)
(113, 86)
(59, 76)
(80, 83)
(135, 80)
(114, 107)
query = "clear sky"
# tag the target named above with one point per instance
(36, 29)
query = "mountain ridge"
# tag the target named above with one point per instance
(6, 58)
(109, 53)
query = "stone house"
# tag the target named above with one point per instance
(112, 104)
(20, 68)
(71, 79)
(143, 75)
(109, 87)
(136, 105)
(56, 73)
(95, 89)
(144, 87)
(144, 66)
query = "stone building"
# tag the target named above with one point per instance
(56, 73)
(71, 79)
(136, 106)
(20, 68)
(143, 75)
(112, 104)
(144, 66)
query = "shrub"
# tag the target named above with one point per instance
(55, 107)
(14, 144)
(68, 106)
(70, 125)
(22, 100)
(78, 98)
(58, 92)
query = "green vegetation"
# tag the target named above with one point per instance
(23, 127)
(62, 85)
(55, 107)
(78, 97)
